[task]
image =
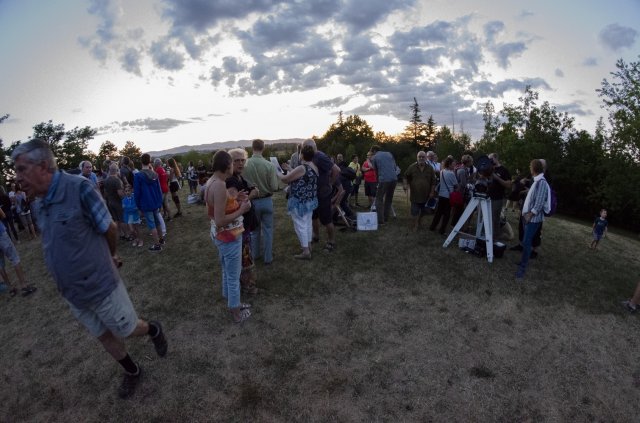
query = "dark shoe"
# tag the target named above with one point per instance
(159, 341)
(329, 247)
(516, 248)
(177, 215)
(28, 290)
(533, 255)
(315, 239)
(155, 248)
(627, 306)
(13, 292)
(129, 383)
(162, 240)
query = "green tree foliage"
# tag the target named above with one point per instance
(448, 144)
(3, 154)
(621, 97)
(352, 131)
(52, 134)
(74, 147)
(430, 132)
(131, 151)
(107, 151)
(525, 131)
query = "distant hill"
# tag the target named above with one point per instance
(218, 145)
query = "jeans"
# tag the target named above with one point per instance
(384, 200)
(264, 228)
(530, 230)
(231, 265)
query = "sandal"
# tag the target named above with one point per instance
(28, 290)
(329, 247)
(302, 256)
(244, 315)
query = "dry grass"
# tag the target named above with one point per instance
(390, 327)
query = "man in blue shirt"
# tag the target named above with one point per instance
(79, 243)
(385, 166)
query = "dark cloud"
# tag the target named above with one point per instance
(147, 124)
(559, 73)
(590, 61)
(436, 33)
(166, 57)
(200, 16)
(489, 89)
(492, 29)
(359, 47)
(332, 103)
(617, 37)
(575, 108)
(130, 61)
(505, 51)
(99, 43)
(360, 17)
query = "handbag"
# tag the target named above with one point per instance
(456, 199)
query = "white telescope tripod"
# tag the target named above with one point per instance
(485, 221)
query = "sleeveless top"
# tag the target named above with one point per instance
(230, 231)
(303, 193)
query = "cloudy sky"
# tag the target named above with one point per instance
(165, 73)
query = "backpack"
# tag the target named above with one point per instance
(554, 203)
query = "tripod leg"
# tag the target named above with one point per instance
(465, 215)
(488, 229)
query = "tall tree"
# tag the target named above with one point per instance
(131, 150)
(621, 96)
(415, 131)
(430, 132)
(52, 134)
(74, 148)
(353, 131)
(108, 151)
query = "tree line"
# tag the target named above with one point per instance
(588, 171)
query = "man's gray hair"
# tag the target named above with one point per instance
(157, 161)
(36, 150)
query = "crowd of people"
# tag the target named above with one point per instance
(80, 218)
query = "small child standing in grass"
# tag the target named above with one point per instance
(599, 229)
(131, 216)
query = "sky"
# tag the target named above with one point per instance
(166, 73)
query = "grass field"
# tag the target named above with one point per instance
(390, 327)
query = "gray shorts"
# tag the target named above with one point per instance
(115, 313)
(7, 249)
